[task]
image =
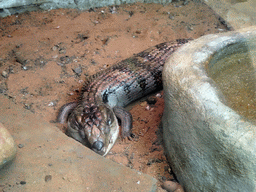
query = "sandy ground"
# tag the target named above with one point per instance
(46, 56)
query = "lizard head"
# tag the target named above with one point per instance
(95, 126)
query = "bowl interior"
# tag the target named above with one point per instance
(233, 69)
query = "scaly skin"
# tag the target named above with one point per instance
(92, 120)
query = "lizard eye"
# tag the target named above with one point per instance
(79, 119)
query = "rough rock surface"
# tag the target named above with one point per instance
(9, 7)
(7, 146)
(210, 146)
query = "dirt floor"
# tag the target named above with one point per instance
(46, 56)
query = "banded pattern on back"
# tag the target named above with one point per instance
(132, 78)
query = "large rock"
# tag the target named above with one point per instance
(209, 145)
(7, 146)
(9, 7)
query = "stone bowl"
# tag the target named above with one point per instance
(209, 117)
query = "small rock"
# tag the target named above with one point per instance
(190, 28)
(18, 45)
(112, 10)
(27, 106)
(150, 162)
(159, 95)
(23, 182)
(55, 56)
(48, 178)
(82, 37)
(62, 51)
(171, 17)
(10, 70)
(54, 48)
(41, 62)
(78, 71)
(93, 62)
(20, 59)
(25, 68)
(20, 145)
(24, 91)
(7, 146)
(4, 74)
(65, 59)
(2, 90)
(52, 103)
(151, 100)
(170, 186)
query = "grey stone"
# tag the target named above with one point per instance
(210, 146)
(77, 70)
(7, 146)
(9, 7)
(4, 74)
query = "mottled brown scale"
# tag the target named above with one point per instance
(106, 93)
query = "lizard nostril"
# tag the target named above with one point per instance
(98, 145)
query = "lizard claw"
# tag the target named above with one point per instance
(130, 137)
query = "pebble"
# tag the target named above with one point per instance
(78, 71)
(171, 17)
(171, 186)
(4, 74)
(25, 68)
(23, 182)
(151, 100)
(159, 95)
(62, 51)
(52, 103)
(48, 178)
(54, 48)
(20, 145)
(7, 146)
